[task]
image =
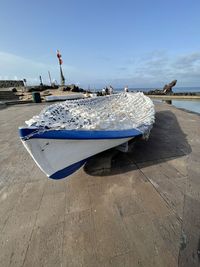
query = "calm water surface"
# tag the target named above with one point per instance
(192, 105)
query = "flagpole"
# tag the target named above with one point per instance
(62, 78)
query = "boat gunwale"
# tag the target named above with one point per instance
(30, 133)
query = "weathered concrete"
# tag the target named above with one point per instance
(135, 209)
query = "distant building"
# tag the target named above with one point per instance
(11, 83)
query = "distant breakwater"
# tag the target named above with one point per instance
(175, 89)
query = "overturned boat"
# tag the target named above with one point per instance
(63, 136)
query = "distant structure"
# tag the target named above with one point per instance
(62, 78)
(25, 82)
(126, 89)
(50, 77)
(11, 83)
(168, 87)
(41, 83)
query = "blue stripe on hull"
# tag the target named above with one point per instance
(68, 170)
(77, 134)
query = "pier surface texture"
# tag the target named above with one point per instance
(136, 209)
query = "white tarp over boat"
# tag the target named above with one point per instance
(115, 112)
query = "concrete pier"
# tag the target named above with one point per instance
(136, 209)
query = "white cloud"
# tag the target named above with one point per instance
(156, 69)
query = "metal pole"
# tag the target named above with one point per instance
(41, 83)
(50, 78)
(62, 78)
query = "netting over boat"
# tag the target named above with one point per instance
(114, 112)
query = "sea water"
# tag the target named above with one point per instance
(192, 105)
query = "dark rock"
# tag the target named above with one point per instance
(72, 88)
(39, 88)
(155, 92)
(75, 89)
(168, 87)
(64, 89)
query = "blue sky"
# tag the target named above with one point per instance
(140, 43)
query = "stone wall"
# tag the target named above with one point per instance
(11, 83)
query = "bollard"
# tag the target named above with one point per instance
(36, 97)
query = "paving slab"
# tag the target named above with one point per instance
(15, 238)
(45, 246)
(79, 240)
(51, 210)
(151, 247)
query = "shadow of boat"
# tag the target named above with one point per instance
(166, 141)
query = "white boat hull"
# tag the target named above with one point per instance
(58, 158)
